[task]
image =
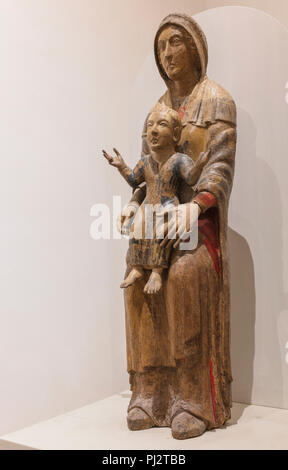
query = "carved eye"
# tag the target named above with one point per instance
(175, 41)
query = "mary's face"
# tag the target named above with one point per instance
(176, 57)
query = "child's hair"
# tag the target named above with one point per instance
(176, 120)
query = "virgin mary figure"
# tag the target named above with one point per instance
(178, 345)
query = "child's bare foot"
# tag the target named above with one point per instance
(132, 277)
(154, 283)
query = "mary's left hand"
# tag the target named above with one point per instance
(181, 222)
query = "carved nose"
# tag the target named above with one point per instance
(167, 50)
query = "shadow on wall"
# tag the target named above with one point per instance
(256, 258)
(242, 316)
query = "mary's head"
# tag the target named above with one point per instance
(180, 49)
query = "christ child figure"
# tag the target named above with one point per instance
(163, 169)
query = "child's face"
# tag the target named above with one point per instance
(160, 131)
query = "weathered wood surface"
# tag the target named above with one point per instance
(178, 338)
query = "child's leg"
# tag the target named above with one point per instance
(154, 283)
(135, 274)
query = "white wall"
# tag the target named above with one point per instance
(67, 71)
(70, 74)
(276, 8)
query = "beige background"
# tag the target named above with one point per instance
(68, 77)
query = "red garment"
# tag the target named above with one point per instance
(208, 226)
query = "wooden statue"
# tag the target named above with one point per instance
(178, 338)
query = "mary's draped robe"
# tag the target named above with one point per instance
(178, 341)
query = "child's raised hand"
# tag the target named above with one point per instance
(116, 160)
